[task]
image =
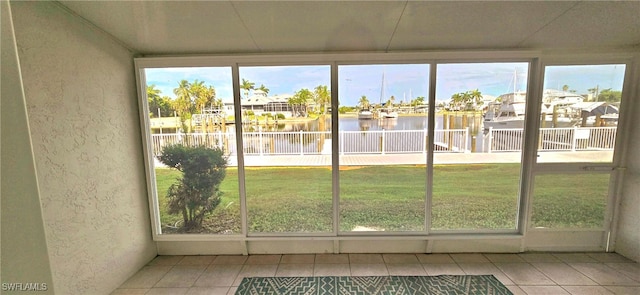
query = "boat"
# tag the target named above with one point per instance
(365, 114)
(595, 114)
(556, 110)
(507, 114)
(388, 114)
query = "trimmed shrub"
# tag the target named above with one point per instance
(198, 191)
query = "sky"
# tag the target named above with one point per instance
(379, 82)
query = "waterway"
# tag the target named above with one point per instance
(400, 123)
(355, 124)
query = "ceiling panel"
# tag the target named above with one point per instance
(592, 24)
(159, 27)
(216, 27)
(321, 26)
(443, 25)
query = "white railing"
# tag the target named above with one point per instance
(553, 139)
(285, 143)
(451, 140)
(392, 141)
(314, 142)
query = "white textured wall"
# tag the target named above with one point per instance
(628, 237)
(24, 246)
(81, 100)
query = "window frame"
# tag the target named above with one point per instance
(343, 241)
(614, 168)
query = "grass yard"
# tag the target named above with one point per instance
(391, 198)
(475, 196)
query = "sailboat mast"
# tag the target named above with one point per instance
(515, 80)
(382, 89)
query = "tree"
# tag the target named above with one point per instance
(322, 97)
(363, 102)
(153, 98)
(300, 101)
(475, 97)
(183, 103)
(594, 91)
(199, 95)
(203, 96)
(165, 106)
(418, 101)
(470, 99)
(456, 100)
(197, 192)
(247, 86)
(609, 95)
(263, 88)
(565, 87)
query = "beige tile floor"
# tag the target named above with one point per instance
(527, 273)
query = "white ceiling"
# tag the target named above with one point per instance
(223, 27)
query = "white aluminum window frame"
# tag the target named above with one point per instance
(477, 240)
(547, 239)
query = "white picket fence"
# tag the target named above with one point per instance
(553, 139)
(391, 141)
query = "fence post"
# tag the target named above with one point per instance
(301, 144)
(426, 141)
(341, 138)
(574, 139)
(466, 140)
(160, 144)
(260, 142)
(382, 141)
(490, 141)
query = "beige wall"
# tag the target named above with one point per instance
(628, 236)
(82, 108)
(24, 248)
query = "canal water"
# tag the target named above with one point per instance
(400, 123)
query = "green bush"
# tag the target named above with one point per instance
(280, 116)
(198, 191)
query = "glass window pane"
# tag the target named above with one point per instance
(191, 108)
(382, 144)
(477, 145)
(475, 196)
(287, 148)
(570, 200)
(580, 110)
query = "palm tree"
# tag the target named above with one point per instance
(153, 98)
(300, 100)
(363, 102)
(418, 101)
(322, 97)
(476, 96)
(183, 104)
(565, 87)
(211, 94)
(263, 88)
(199, 94)
(247, 86)
(166, 106)
(457, 99)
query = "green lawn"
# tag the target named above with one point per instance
(391, 198)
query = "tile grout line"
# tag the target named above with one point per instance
(602, 265)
